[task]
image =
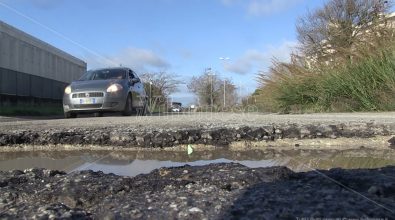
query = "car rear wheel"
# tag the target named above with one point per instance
(128, 107)
(70, 115)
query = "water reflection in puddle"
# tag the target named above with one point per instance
(129, 163)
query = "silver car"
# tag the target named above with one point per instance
(105, 90)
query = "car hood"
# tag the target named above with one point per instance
(86, 85)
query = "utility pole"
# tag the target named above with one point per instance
(209, 73)
(211, 93)
(150, 95)
(224, 92)
(224, 59)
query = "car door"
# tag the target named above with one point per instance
(135, 88)
(141, 90)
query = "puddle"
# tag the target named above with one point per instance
(129, 163)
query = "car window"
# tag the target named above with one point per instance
(131, 75)
(135, 75)
(104, 74)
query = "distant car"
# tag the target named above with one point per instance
(105, 90)
(176, 107)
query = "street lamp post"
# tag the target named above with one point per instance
(224, 93)
(211, 74)
(224, 59)
(211, 90)
(150, 94)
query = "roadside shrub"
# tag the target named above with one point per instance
(364, 85)
(344, 61)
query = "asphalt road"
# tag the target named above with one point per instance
(193, 120)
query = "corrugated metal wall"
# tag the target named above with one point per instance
(31, 67)
(22, 84)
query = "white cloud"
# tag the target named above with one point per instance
(245, 63)
(253, 59)
(138, 59)
(267, 7)
(282, 52)
(262, 7)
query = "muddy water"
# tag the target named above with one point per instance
(129, 163)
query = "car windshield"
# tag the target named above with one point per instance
(103, 74)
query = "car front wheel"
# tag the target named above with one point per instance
(128, 107)
(70, 115)
(98, 114)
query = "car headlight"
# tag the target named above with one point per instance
(114, 88)
(67, 90)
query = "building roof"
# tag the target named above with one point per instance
(23, 36)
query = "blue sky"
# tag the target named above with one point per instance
(179, 36)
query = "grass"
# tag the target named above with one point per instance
(28, 110)
(366, 85)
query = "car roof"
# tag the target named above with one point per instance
(111, 68)
(116, 68)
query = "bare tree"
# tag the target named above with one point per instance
(340, 26)
(205, 88)
(228, 92)
(164, 83)
(211, 90)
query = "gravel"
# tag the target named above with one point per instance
(200, 128)
(197, 120)
(216, 191)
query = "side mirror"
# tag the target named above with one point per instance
(135, 80)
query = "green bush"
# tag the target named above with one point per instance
(366, 85)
